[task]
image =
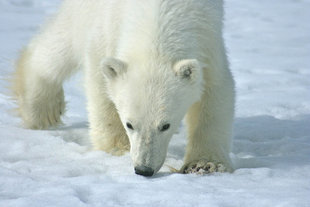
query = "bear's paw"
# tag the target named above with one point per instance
(202, 167)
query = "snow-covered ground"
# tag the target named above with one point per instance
(269, 50)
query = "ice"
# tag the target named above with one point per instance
(269, 51)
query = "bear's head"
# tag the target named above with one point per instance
(151, 100)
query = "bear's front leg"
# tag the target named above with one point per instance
(209, 124)
(106, 130)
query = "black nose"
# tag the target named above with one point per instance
(145, 171)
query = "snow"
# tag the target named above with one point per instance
(269, 51)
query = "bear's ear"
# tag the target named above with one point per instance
(113, 67)
(188, 69)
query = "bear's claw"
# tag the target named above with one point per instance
(202, 167)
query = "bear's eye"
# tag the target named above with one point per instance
(165, 127)
(129, 126)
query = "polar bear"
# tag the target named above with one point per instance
(148, 64)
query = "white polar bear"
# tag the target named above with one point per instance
(147, 65)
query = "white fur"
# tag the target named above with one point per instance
(148, 63)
